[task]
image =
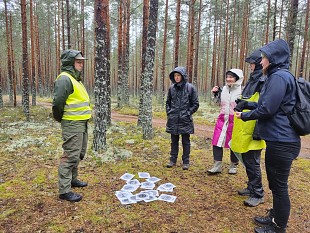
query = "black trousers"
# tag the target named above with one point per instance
(279, 157)
(251, 161)
(218, 155)
(186, 143)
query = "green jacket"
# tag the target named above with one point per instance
(63, 86)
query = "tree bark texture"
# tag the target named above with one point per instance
(25, 98)
(147, 75)
(102, 74)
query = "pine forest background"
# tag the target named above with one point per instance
(132, 45)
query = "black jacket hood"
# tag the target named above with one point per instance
(182, 72)
(278, 54)
(67, 62)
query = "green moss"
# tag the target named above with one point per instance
(7, 213)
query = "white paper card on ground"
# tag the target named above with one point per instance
(167, 187)
(142, 196)
(127, 201)
(151, 192)
(127, 176)
(134, 182)
(122, 195)
(153, 179)
(145, 175)
(167, 198)
(147, 185)
(129, 188)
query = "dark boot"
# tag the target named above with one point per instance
(78, 184)
(272, 228)
(71, 196)
(265, 220)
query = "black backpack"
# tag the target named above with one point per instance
(299, 117)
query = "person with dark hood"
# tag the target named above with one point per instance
(225, 121)
(251, 152)
(71, 107)
(283, 143)
(182, 102)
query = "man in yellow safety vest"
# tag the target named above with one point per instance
(71, 107)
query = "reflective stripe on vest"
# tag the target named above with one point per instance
(77, 104)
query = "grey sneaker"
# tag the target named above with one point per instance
(232, 168)
(253, 201)
(185, 166)
(170, 164)
(244, 192)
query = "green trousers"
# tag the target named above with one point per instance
(74, 149)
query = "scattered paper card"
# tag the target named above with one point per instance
(134, 182)
(145, 175)
(126, 195)
(167, 198)
(147, 185)
(129, 188)
(167, 187)
(127, 176)
(153, 179)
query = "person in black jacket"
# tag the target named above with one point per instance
(251, 159)
(182, 102)
(283, 143)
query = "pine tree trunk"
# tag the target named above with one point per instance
(304, 46)
(25, 99)
(147, 75)
(291, 26)
(163, 64)
(146, 12)
(195, 76)
(177, 34)
(33, 68)
(8, 30)
(68, 24)
(120, 56)
(102, 74)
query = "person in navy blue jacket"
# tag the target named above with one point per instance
(283, 143)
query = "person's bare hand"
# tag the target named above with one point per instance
(238, 115)
(215, 89)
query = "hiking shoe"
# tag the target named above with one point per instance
(265, 220)
(170, 164)
(185, 166)
(232, 168)
(254, 201)
(271, 228)
(78, 184)
(71, 196)
(244, 192)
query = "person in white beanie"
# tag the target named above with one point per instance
(224, 125)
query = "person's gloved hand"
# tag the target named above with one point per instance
(241, 104)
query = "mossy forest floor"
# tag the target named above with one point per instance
(29, 155)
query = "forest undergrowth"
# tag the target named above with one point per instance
(29, 201)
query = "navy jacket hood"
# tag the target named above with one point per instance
(255, 58)
(278, 54)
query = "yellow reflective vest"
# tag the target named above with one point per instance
(78, 103)
(242, 136)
